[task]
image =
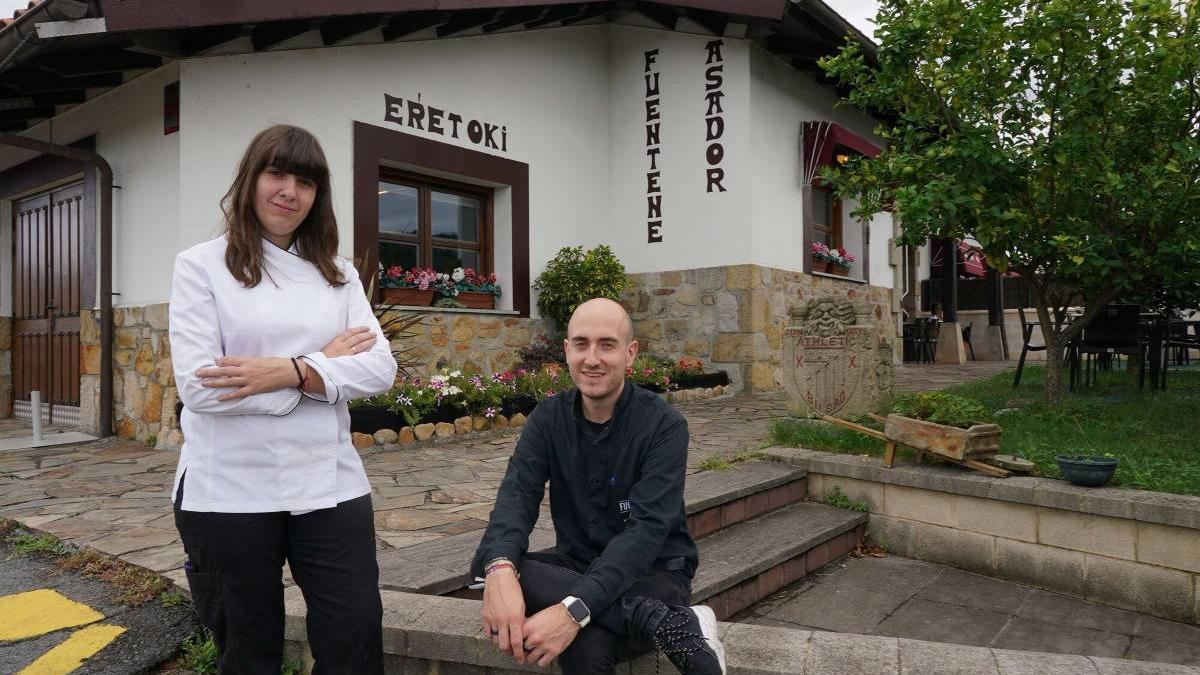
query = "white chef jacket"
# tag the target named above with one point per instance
(279, 450)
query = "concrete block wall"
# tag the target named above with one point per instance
(1130, 549)
(732, 318)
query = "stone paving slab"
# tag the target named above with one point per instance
(912, 599)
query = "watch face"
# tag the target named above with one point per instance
(577, 610)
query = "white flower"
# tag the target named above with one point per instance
(458, 274)
(452, 390)
(456, 373)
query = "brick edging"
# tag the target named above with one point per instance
(1139, 505)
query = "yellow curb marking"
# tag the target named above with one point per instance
(25, 615)
(70, 654)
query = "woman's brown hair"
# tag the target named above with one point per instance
(291, 150)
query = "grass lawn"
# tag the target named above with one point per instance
(1156, 435)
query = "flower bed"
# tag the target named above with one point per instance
(474, 402)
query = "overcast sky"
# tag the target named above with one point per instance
(857, 12)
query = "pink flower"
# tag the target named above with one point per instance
(395, 272)
(489, 413)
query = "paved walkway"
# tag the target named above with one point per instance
(113, 495)
(899, 597)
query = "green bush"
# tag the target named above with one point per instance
(940, 408)
(573, 277)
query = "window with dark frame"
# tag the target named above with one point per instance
(428, 222)
(827, 218)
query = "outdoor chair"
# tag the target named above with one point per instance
(910, 341)
(928, 338)
(1026, 344)
(1114, 330)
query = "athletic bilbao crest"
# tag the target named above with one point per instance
(826, 355)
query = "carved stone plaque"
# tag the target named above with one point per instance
(829, 360)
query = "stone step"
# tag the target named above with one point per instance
(712, 499)
(718, 499)
(745, 563)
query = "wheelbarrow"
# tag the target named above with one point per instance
(967, 447)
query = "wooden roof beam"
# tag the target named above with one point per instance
(466, 20)
(403, 25)
(711, 21)
(664, 16)
(267, 35)
(25, 114)
(71, 64)
(342, 28)
(589, 12)
(513, 17)
(204, 40)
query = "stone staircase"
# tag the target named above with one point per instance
(755, 532)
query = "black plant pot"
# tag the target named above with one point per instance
(369, 419)
(518, 404)
(1087, 470)
(701, 381)
(704, 380)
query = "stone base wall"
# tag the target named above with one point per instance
(6, 382)
(144, 394)
(484, 342)
(1129, 549)
(732, 318)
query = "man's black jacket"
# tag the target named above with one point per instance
(616, 493)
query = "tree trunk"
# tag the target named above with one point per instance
(1054, 368)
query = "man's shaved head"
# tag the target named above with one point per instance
(599, 348)
(603, 308)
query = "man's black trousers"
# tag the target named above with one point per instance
(236, 562)
(617, 633)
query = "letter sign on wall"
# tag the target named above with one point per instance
(714, 116)
(423, 117)
(653, 141)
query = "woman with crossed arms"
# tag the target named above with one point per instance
(271, 334)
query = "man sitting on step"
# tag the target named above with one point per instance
(618, 581)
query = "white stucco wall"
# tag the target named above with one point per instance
(781, 100)
(573, 104)
(128, 125)
(547, 87)
(699, 228)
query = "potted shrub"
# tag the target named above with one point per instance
(820, 257)
(414, 287)
(1087, 470)
(840, 261)
(470, 288)
(573, 277)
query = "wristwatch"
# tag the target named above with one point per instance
(579, 612)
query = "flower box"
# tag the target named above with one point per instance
(839, 270)
(820, 265)
(413, 297)
(476, 300)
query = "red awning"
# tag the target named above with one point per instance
(971, 261)
(823, 141)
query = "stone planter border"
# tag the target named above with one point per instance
(1129, 549)
(1139, 505)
